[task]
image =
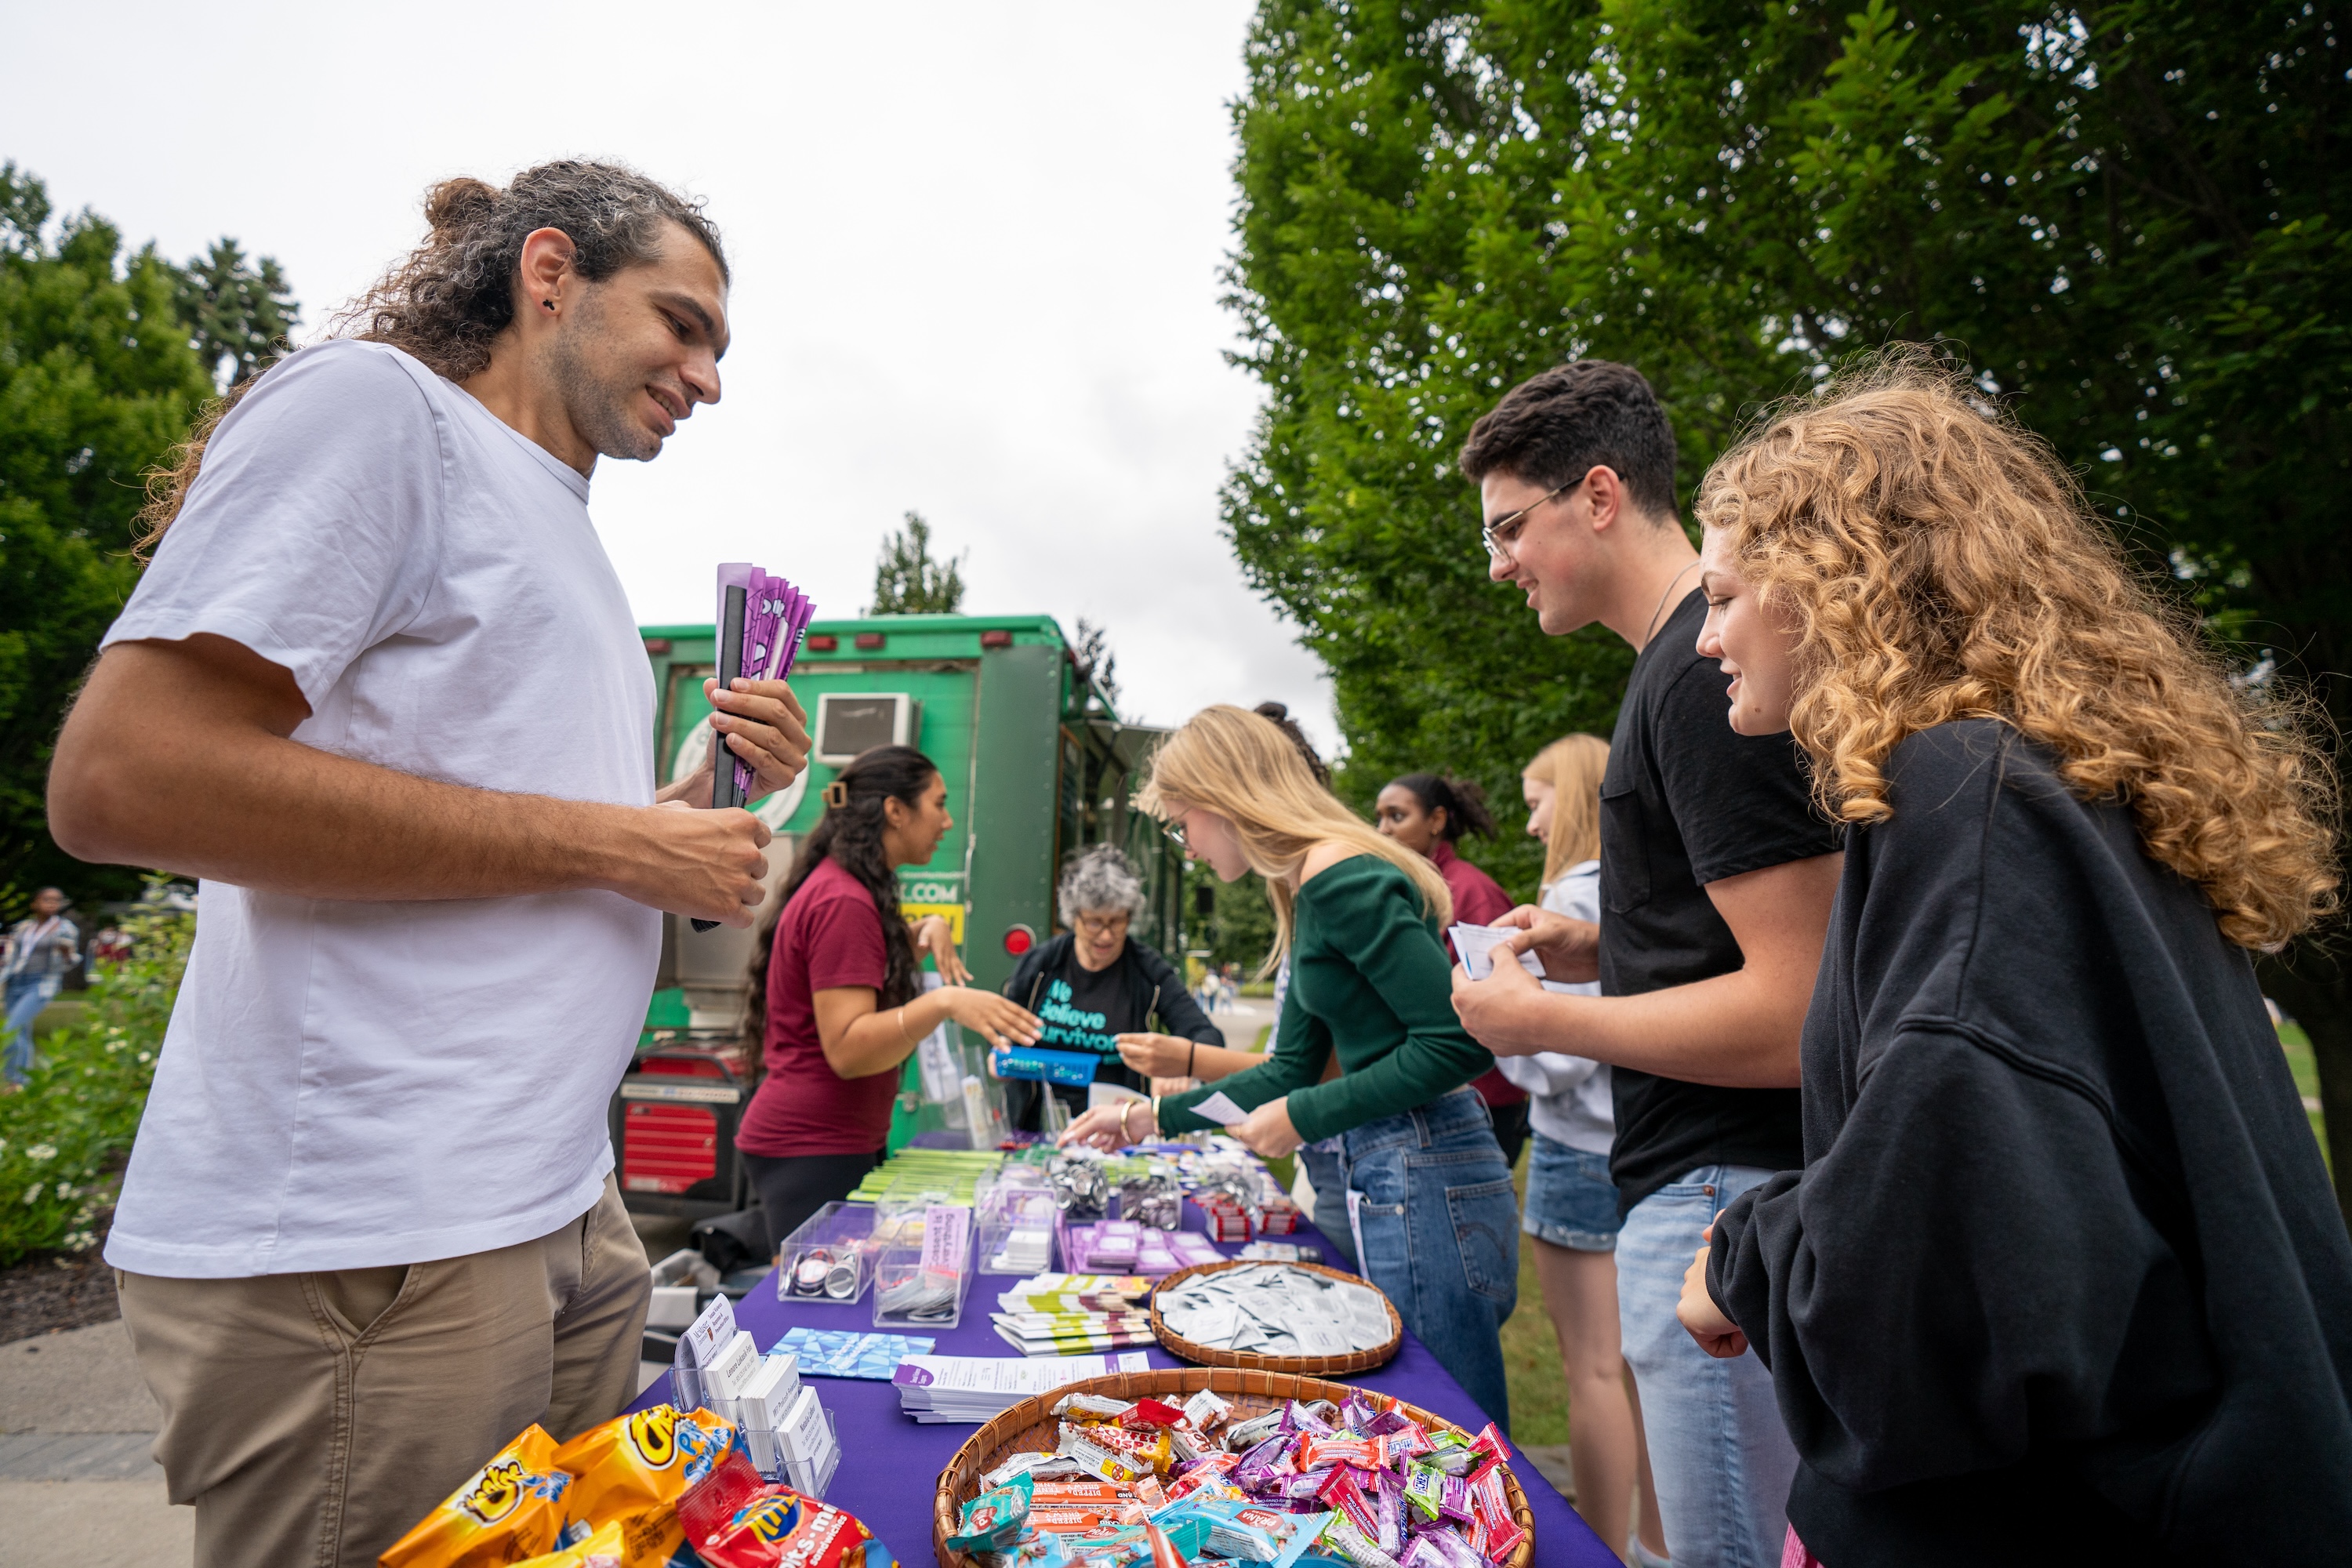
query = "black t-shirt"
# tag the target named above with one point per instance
(1086, 1010)
(1686, 801)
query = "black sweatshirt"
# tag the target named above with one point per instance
(2061, 1278)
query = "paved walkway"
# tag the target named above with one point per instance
(78, 1487)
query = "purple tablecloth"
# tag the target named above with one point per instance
(890, 1463)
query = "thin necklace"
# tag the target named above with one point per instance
(1651, 629)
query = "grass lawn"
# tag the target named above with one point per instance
(1531, 1352)
(2306, 1078)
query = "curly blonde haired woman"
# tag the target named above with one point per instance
(2061, 1279)
(1368, 1047)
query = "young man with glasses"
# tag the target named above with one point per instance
(1716, 879)
(1098, 991)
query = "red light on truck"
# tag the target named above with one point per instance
(1019, 939)
(870, 639)
(823, 642)
(1000, 638)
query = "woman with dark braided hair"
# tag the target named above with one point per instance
(837, 996)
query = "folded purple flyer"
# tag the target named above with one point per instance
(760, 621)
(775, 615)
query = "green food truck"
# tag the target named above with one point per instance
(1038, 765)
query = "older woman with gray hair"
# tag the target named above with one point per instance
(1098, 991)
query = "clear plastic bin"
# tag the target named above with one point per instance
(1016, 1230)
(921, 1288)
(830, 1256)
(811, 1478)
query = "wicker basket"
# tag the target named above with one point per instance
(1304, 1365)
(1031, 1426)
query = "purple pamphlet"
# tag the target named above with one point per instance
(775, 615)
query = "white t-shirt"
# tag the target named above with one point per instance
(349, 1085)
(1570, 1099)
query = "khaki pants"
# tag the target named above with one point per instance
(313, 1418)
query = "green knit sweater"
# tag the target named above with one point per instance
(1370, 978)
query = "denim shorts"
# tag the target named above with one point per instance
(1571, 1202)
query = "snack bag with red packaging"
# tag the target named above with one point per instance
(510, 1509)
(634, 1470)
(771, 1525)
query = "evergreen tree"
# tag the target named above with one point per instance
(241, 314)
(908, 582)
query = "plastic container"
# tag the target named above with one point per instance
(921, 1288)
(830, 1258)
(1016, 1230)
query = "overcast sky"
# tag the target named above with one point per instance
(975, 251)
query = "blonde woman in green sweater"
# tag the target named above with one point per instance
(1368, 1046)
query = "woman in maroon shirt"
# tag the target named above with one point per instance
(1427, 812)
(836, 991)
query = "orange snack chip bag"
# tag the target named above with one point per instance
(510, 1509)
(601, 1550)
(632, 1471)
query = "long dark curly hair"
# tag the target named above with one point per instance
(448, 301)
(850, 833)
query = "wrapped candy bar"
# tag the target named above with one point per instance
(1441, 1549)
(1207, 1411)
(1425, 1490)
(994, 1519)
(1091, 1404)
(1149, 1412)
(1343, 1493)
(1343, 1540)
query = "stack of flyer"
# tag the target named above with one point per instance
(1067, 1333)
(1066, 1315)
(969, 1388)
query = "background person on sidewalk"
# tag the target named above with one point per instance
(41, 952)
(1428, 812)
(2063, 1279)
(369, 1229)
(1715, 879)
(1571, 1215)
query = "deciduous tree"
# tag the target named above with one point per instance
(2128, 221)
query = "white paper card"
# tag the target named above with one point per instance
(1219, 1109)
(1475, 945)
(710, 1333)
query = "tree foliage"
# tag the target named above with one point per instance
(909, 581)
(100, 374)
(2126, 220)
(239, 313)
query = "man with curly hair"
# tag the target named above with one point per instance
(382, 690)
(1716, 874)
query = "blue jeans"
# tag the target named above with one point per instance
(1330, 1185)
(27, 996)
(1720, 1456)
(1440, 1229)
(1571, 1202)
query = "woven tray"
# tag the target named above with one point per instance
(1304, 1365)
(1030, 1428)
